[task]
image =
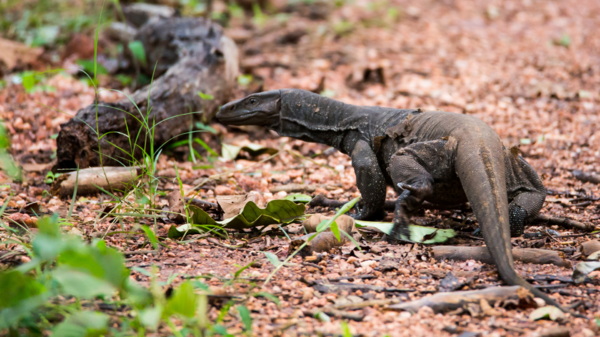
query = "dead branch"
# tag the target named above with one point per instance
(565, 222)
(337, 287)
(295, 188)
(587, 177)
(369, 303)
(140, 252)
(525, 255)
(444, 302)
(336, 313)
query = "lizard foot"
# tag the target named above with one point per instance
(369, 216)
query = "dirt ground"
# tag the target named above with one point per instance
(530, 69)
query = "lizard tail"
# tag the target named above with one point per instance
(480, 167)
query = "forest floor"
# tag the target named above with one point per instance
(530, 69)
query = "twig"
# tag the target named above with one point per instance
(337, 313)
(369, 303)
(140, 252)
(360, 277)
(314, 265)
(586, 177)
(566, 222)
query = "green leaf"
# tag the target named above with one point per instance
(81, 284)
(241, 270)
(267, 295)
(548, 312)
(335, 230)
(22, 287)
(97, 260)
(204, 127)
(150, 317)
(277, 211)
(323, 225)
(273, 259)
(245, 316)
(205, 96)
(206, 147)
(137, 49)
(417, 233)
(244, 80)
(303, 198)
(88, 67)
(150, 234)
(83, 323)
(179, 231)
(183, 301)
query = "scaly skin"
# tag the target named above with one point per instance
(439, 157)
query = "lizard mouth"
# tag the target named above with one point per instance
(235, 119)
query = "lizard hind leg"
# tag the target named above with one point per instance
(524, 208)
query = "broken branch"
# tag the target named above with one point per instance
(444, 302)
(525, 255)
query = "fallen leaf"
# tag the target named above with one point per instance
(233, 204)
(276, 212)
(417, 233)
(16, 53)
(548, 312)
(582, 269)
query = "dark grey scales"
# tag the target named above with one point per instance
(440, 157)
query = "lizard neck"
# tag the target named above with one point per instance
(313, 118)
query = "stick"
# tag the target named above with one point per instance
(370, 303)
(565, 222)
(140, 252)
(444, 302)
(525, 255)
(292, 188)
(587, 177)
(337, 313)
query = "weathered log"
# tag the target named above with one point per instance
(444, 302)
(195, 56)
(92, 180)
(525, 255)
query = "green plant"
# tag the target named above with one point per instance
(66, 278)
(7, 164)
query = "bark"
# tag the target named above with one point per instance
(525, 255)
(192, 55)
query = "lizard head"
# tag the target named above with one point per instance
(256, 109)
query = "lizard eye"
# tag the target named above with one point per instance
(252, 100)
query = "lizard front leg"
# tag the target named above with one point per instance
(414, 184)
(370, 182)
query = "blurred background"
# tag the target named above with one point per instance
(529, 68)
